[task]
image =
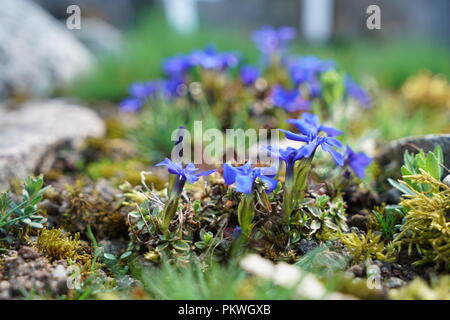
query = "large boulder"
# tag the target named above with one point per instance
(37, 52)
(31, 135)
(391, 156)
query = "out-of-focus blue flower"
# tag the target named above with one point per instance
(210, 58)
(176, 66)
(171, 87)
(358, 162)
(306, 70)
(272, 41)
(310, 127)
(131, 105)
(245, 176)
(249, 75)
(139, 91)
(352, 89)
(289, 100)
(144, 89)
(188, 173)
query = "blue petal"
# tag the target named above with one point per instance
(303, 127)
(270, 183)
(331, 132)
(244, 184)
(337, 157)
(191, 178)
(205, 173)
(174, 168)
(293, 136)
(333, 142)
(229, 174)
(311, 118)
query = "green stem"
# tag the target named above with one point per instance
(169, 211)
(246, 212)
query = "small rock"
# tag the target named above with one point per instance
(357, 270)
(359, 221)
(395, 282)
(447, 180)
(306, 245)
(28, 253)
(392, 154)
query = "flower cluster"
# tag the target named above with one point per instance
(294, 82)
(273, 42)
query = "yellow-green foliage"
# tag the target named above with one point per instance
(427, 222)
(364, 247)
(418, 289)
(57, 245)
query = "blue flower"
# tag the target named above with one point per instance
(171, 87)
(143, 90)
(358, 162)
(289, 156)
(271, 41)
(352, 89)
(210, 58)
(139, 91)
(176, 66)
(310, 127)
(245, 176)
(289, 100)
(131, 105)
(188, 173)
(249, 75)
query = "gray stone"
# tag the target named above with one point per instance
(37, 52)
(31, 135)
(447, 180)
(100, 36)
(391, 155)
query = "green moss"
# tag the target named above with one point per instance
(427, 221)
(364, 247)
(55, 244)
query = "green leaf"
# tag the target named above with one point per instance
(36, 225)
(109, 256)
(125, 255)
(181, 245)
(162, 246)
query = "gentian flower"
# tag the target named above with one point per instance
(181, 174)
(245, 176)
(352, 89)
(171, 87)
(249, 75)
(271, 41)
(188, 173)
(177, 66)
(138, 93)
(210, 58)
(289, 156)
(289, 100)
(131, 104)
(310, 65)
(310, 128)
(357, 162)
